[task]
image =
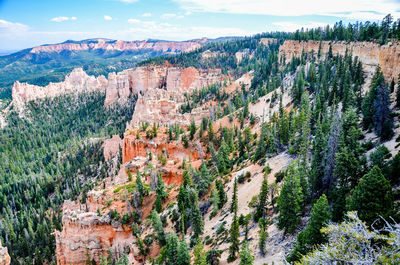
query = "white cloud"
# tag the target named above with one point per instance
(146, 15)
(8, 28)
(61, 19)
(291, 26)
(354, 9)
(134, 21)
(107, 17)
(127, 1)
(168, 16)
(167, 31)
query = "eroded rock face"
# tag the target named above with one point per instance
(160, 104)
(111, 147)
(76, 82)
(119, 45)
(4, 257)
(86, 234)
(370, 54)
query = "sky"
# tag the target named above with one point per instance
(29, 23)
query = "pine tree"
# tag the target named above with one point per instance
(262, 200)
(372, 196)
(192, 129)
(332, 146)
(263, 223)
(234, 203)
(222, 198)
(158, 227)
(290, 201)
(183, 257)
(312, 236)
(261, 148)
(234, 236)
(172, 245)
(196, 216)
(376, 107)
(246, 256)
(140, 187)
(199, 254)
(161, 188)
(224, 163)
(350, 163)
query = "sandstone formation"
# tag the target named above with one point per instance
(86, 234)
(111, 147)
(4, 257)
(119, 45)
(370, 54)
(76, 82)
(162, 105)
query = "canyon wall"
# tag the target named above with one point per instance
(4, 257)
(119, 45)
(370, 54)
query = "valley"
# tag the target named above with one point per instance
(237, 151)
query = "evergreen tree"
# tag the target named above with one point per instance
(158, 227)
(172, 248)
(196, 216)
(183, 257)
(290, 201)
(199, 254)
(312, 236)
(372, 196)
(222, 198)
(261, 148)
(349, 163)
(140, 187)
(376, 107)
(246, 256)
(234, 203)
(263, 223)
(192, 129)
(234, 237)
(262, 200)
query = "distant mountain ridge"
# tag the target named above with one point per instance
(99, 56)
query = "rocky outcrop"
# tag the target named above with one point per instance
(111, 147)
(119, 45)
(4, 257)
(162, 105)
(370, 54)
(86, 234)
(76, 82)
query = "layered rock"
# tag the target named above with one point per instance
(162, 105)
(87, 235)
(370, 54)
(119, 45)
(76, 82)
(4, 257)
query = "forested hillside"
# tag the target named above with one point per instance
(52, 154)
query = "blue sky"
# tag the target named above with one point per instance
(28, 23)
